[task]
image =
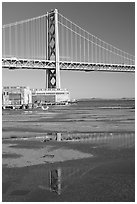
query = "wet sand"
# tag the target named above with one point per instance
(94, 172)
(94, 162)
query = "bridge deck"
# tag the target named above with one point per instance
(13, 63)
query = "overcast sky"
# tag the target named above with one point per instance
(112, 22)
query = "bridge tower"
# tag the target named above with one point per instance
(53, 75)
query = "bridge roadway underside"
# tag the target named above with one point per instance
(11, 63)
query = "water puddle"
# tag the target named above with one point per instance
(20, 192)
(111, 139)
(60, 179)
(48, 180)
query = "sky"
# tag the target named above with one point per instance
(113, 22)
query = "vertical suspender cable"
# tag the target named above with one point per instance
(10, 40)
(92, 49)
(43, 38)
(16, 38)
(21, 44)
(96, 49)
(41, 45)
(88, 48)
(113, 51)
(109, 53)
(75, 50)
(47, 35)
(128, 61)
(26, 53)
(100, 51)
(76, 42)
(45, 42)
(39, 38)
(90, 44)
(120, 58)
(61, 20)
(36, 40)
(106, 53)
(103, 53)
(112, 55)
(25, 27)
(126, 56)
(84, 46)
(80, 45)
(71, 42)
(30, 39)
(42, 32)
(123, 58)
(115, 56)
(33, 39)
(3, 41)
(66, 42)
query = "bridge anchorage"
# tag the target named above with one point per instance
(53, 43)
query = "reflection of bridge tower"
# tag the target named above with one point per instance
(53, 75)
(55, 180)
(62, 178)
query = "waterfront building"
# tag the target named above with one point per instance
(16, 96)
(21, 96)
(50, 96)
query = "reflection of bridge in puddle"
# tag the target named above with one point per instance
(48, 180)
(62, 178)
(57, 180)
(113, 139)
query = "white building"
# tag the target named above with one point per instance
(50, 96)
(16, 96)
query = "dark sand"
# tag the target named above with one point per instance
(108, 175)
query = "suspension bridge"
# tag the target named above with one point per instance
(52, 42)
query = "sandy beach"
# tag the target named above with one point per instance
(94, 161)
